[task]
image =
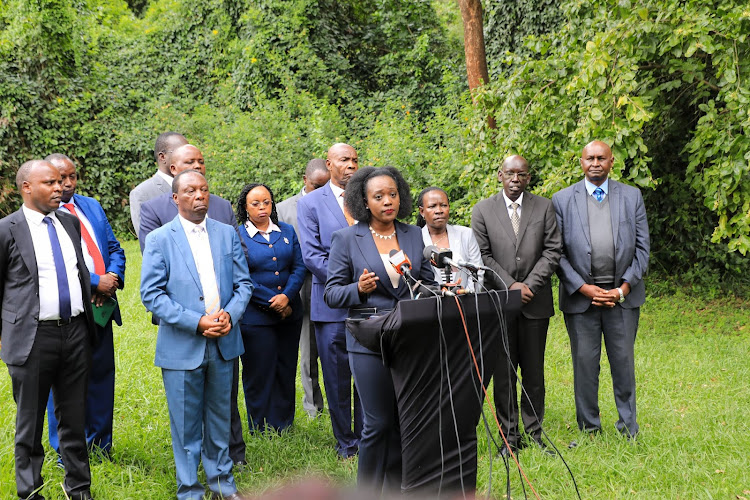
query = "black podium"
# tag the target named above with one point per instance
(438, 390)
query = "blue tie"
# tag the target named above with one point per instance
(599, 194)
(62, 275)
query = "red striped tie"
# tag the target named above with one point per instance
(99, 268)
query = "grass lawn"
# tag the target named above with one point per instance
(693, 375)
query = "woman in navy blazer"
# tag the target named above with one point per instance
(360, 275)
(272, 321)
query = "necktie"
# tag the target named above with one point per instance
(349, 219)
(62, 276)
(599, 194)
(91, 246)
(207, 274)
(515, 219)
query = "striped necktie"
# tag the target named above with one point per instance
(91, 246)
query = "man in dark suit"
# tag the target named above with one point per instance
(47, 328)
(518, 238)
(605, 256)
(195, 278)
(105, 260)
(316, 175)
(319, 215)
(159, 211)
(161, 181)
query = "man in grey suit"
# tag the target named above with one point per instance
(161, 181)
(605, 256)
(315, 176)
(47, 328)
(519, 240)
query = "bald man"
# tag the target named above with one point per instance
(47, 328)
(605, 256)
(319, 215)
(316, 175)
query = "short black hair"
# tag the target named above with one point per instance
(161, 143)
(176, 180)
(242, 203)
(59, 156)
(314, 165)
(356, 192)
(420, 199)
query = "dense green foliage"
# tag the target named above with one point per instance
(667, 83)
(264, 85)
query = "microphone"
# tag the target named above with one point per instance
(400, 262)
(438, 257)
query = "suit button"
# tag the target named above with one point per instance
(274, 258)
(270, 246)
(590, 274)
(278, 287)
(518, 258)
(200, 298)
(276, 273)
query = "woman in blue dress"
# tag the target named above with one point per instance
(273, 319)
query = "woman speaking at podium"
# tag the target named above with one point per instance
(362, 276)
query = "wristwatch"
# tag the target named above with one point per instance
(622, 295)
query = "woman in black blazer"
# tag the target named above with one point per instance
(360, 275)
(273, 319)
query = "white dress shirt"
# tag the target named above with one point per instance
(49, 302)
(200, 247)
(338, 193)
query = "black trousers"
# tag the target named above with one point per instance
(236, 442)
(59, 359)
(527, 339)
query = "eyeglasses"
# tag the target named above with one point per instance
(522, 176)
(258, 204)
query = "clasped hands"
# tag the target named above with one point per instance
(280, 305)
(604, 298)
(106, 288)
(215, 325)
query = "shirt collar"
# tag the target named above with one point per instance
(508, 201)
(189, 227)
(590, 186)
(164, 176)
(34, 217)
(252, 230)
(303, 192)
(336, 190)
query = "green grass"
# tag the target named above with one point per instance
(693, 377)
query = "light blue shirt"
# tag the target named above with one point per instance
(590, 187)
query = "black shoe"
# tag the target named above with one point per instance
(543, 446)
(219, 496)
(590, 432)
(240, 463)
(505, 451)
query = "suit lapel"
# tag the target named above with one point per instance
(370, 253)
(83, 271)
(214, 240)
(161, 184)
(614, 208)
(22, 236)
(329, 199)
(580, 194)
(501, 210)
(183, 246)
(527, 211)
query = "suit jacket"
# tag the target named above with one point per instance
(146, 190)
(287, 210)
(157, 212)
(112, 253)
(464, 246)
(276, 266)
(318, 217)
(632, 245)
(530, 258)
(19, 285)
(353, 250)
(171, 289)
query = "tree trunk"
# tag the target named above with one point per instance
(476, 58)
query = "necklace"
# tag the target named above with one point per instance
(383, 236)
(435, 242)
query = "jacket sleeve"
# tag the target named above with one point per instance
(150, 220)
(569, 277)
(550, 259)
(638, 267)
(298, 269)
(314, 254)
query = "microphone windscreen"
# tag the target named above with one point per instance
(428, 251)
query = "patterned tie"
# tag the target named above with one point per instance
(207, 275)
(515, 219)
(62, 276)
(599, 194)
(91, 246)
(349, 219)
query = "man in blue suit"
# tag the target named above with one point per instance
(319, 215)
(105, 260)
(605, 256)
(195, 279)
(161, 210)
